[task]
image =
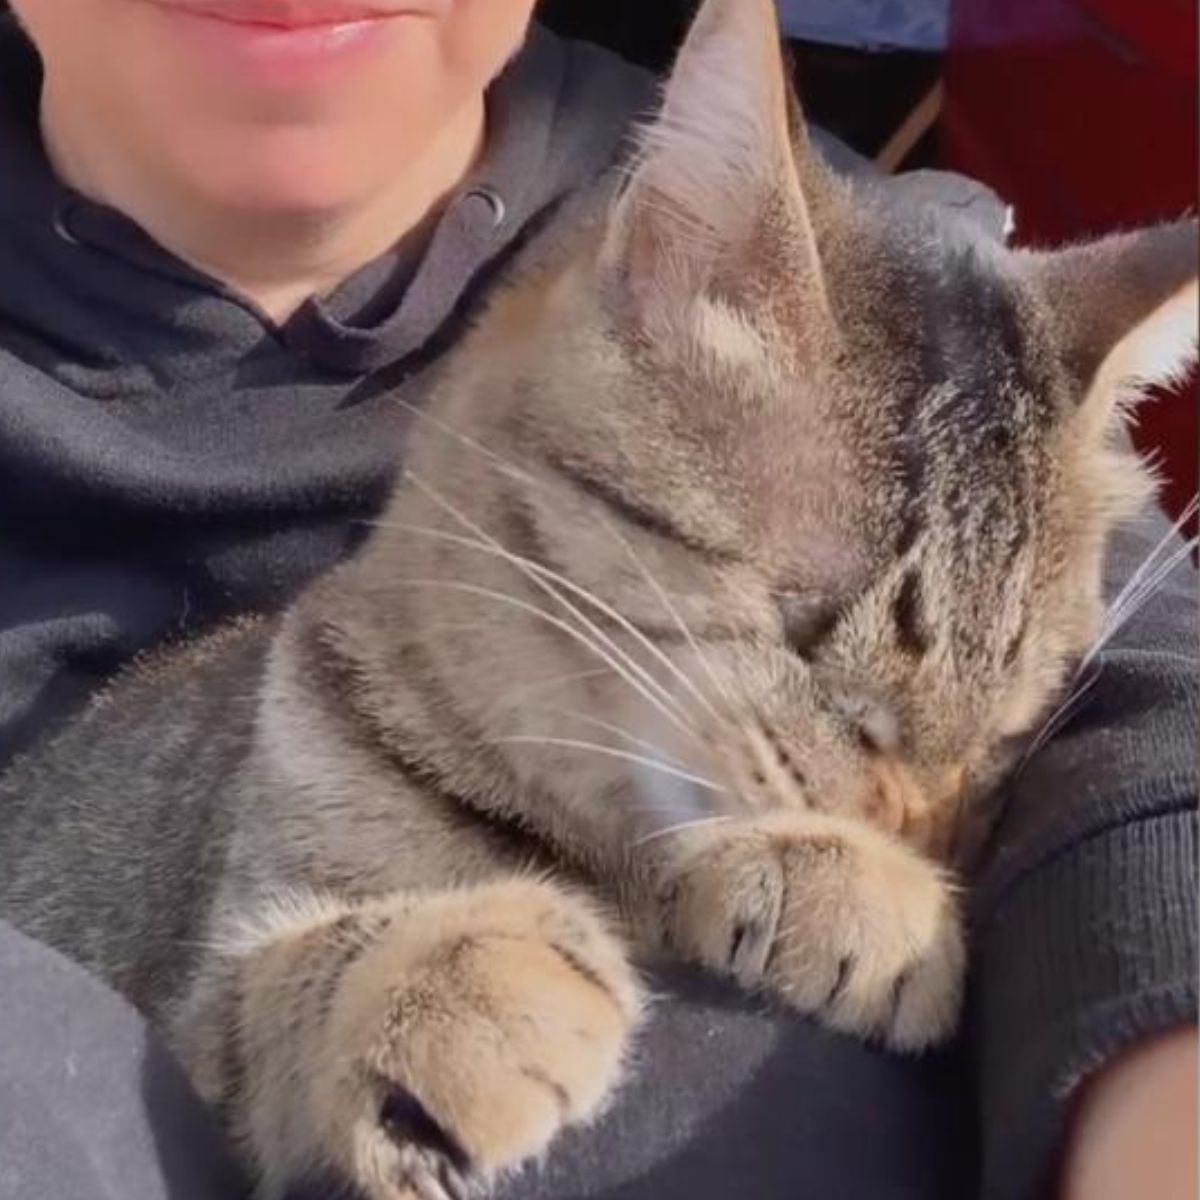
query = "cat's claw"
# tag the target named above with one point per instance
(752, 941)
(831, 916)
(512, 1025)
(427, 1163)
(421, 1173)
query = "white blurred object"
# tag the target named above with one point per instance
(881, 24)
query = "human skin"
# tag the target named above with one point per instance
(280, 182)
(282, 190)
(1134, 1130)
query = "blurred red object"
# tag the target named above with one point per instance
(1083, 115)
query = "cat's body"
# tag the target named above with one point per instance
(732, 547)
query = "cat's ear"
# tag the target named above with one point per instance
(717, 193)
(1124, 309)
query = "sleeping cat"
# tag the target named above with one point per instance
(749, 531)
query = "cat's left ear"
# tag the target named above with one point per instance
(722, 193)
(1124, 309)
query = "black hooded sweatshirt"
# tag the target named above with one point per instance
(170, 457)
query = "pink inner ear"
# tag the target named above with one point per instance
(1163, 347)
(1121, 292)
(722, 151)
(1158, 351)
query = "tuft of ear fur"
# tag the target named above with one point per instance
(1124, 308)
(723, 159)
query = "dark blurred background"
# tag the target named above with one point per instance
(860, 95)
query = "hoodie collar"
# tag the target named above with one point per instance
(395, 306)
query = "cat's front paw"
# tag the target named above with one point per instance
(461, 1045)
(833, 917)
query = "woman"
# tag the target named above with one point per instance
(231, 232)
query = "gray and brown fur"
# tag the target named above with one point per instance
(787, 495)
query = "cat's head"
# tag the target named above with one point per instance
(845, 463)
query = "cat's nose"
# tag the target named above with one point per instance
(895, 801)
(922, 812)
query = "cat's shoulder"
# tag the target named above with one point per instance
(234, 651)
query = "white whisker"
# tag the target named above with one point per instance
(515, 696)
(608, 727)
(1057, 719)
(1138, 589)
(1153, 564)
(545, 578)
(1150, 574)
(527, 566)
(1173, 532)
(507, 467)
(682, 827)
(673, 612)
(573, 632)
(519, 739)
(1132, 598)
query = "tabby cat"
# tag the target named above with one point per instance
(749, 531)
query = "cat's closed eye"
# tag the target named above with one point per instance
(867, 740)
(806, 623)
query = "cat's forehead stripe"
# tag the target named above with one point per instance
(973, 335)
(908, 615)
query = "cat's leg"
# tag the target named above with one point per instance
(415, 1046)
(836, 918)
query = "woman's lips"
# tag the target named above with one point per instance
(294, 14)
(279, 46)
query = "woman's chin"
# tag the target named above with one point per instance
(287, 179)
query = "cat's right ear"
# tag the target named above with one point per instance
(719, 193)
(1123, 309)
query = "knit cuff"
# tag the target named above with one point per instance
(1093, 950)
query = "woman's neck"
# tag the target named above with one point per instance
(275, 257)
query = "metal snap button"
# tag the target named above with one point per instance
(62, 228)
(493, 200)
